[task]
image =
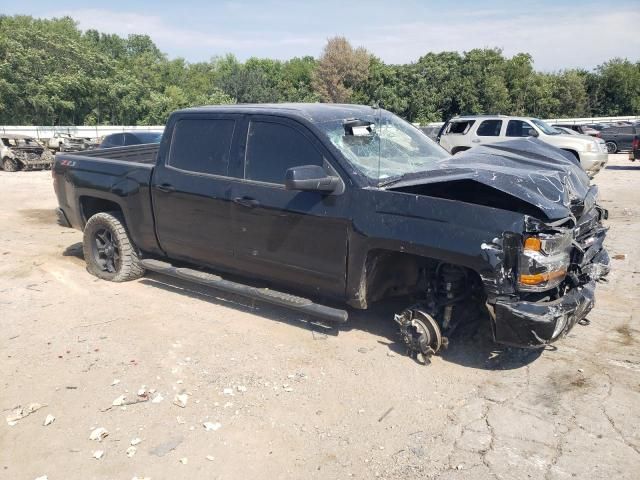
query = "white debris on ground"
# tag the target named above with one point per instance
(119, 401)
(157, 398)
(98, 434)
(181, 400)
(98, 454)
(212, 426)
(49, 419)
(135, 441)
(131, 451)
(20, 413)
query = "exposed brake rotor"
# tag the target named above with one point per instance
(421, 334)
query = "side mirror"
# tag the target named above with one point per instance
(310, 178)
(533, 132)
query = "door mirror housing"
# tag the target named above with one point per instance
(533, 132)
(310, 178)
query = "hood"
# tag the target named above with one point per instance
(525, 175)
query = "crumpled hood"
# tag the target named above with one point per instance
(527, 169)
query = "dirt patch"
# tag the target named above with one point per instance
(626, 334)
(40, 215)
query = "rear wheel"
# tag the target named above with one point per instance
(10, 164)
(612, 147)
(108, 250)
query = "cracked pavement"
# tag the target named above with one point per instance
(300, 401)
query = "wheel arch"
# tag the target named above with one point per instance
(388, 273)
(90, 205)
(455, 150)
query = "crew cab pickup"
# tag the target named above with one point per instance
(312, 205)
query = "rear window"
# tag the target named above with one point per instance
(202, 145)
(489, 128)
(459, 127)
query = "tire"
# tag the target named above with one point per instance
(612, 147)
(109, 252)
(10, 164)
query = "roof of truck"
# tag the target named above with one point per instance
(318, 112)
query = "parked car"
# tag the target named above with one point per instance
(462, 133)
(566, 131)
(619, 139)
(349, 204)
(129, 138)
(635, 149)
(21, 152)
(431, 131)
(65, 142)
(583, 129)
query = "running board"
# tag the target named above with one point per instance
(265, 294)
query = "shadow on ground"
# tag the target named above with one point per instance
(471, 345)
(623, 167)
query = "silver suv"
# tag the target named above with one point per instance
(463, 133)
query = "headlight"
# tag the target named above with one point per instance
(593, 147)
(544, 261)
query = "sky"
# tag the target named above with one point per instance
(559, 34)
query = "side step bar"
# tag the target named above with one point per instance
(266, 295)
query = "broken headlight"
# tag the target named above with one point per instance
(544, 261)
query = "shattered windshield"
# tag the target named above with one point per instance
(382, 146)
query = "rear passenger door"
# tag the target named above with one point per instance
(191, 190)
(488, 131)
(293, 237)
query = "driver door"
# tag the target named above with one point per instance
(292, 237)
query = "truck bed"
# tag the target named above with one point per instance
(145, 153)
(109, 179)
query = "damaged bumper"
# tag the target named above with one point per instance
(533, 324)
(524, 323)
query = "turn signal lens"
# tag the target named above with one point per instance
(539, 278)
(533, 243)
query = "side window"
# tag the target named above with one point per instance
(273, 148)
(202, 145)
(460, 127)
(129, 139)
(114, 140)
(489, 128)
(627, 130)
(518, 128)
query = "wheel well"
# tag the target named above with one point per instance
(458, 150)
(572, 152)
(390, 274)
(89, 206)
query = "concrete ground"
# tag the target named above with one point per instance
(284, 398)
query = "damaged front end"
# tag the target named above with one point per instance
(34, 159)
(552, 269)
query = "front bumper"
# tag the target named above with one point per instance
(534, 324)
(525, 323)
(593, 162)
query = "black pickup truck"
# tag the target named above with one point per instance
(349, 204)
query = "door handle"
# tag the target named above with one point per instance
(166, 188)
(247, 202)
(476, 140)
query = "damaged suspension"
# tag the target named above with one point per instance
(424, 325)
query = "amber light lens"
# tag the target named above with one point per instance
(538, 278)
(533, 243)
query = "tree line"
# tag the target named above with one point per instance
(52, 73)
